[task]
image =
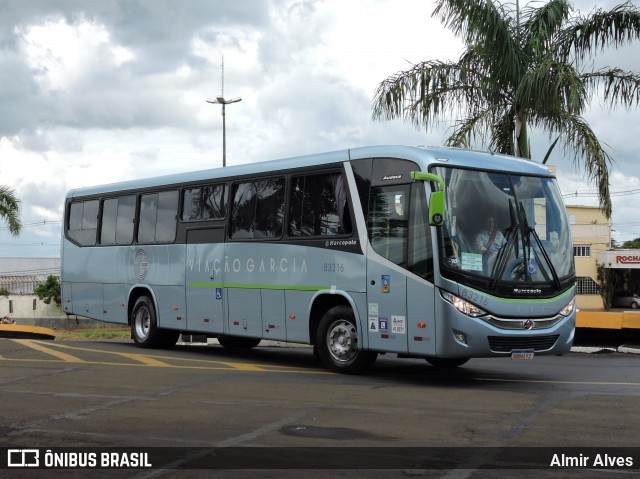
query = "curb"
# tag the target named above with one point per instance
(19, 331)
(605, 350)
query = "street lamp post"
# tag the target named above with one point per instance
(221, 100)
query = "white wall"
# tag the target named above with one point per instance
(23, 307)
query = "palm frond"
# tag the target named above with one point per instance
(548, 154)
(10, 209)
(619, 86)
(586, 34)
(488, 25)
(552, 86)
(542, 25)
(581, 142)
(425, 93)
(502, 133)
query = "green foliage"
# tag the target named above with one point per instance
(632, 244)
(4, 292)
(49, 290)
(609, 281)
(522, 67)
(10, 209)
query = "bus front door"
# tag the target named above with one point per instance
(204, 280)
(386, 308)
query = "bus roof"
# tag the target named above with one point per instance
(423, 155)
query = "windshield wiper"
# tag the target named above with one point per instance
(503, 256)
(554, 273)
(511, 240)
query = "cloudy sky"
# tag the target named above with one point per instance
(100, 91)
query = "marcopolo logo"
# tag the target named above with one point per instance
(330, 243)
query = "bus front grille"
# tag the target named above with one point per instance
(504, 344)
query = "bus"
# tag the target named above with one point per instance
(437, 253)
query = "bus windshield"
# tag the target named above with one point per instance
(504, 229)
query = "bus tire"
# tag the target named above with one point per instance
(446, 363)
(236, 342)
(144, 325)
(337, 342)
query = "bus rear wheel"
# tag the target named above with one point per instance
(235, 342)
(447, 362)
(144, 326)
(337, 342)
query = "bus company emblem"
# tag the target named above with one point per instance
(528, 324)
(391, 177)
(330, 243)
(141, 263)
(527, 291)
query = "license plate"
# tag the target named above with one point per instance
(522, 354)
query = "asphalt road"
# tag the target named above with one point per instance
(109, 393)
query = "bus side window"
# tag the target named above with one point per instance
(318, 206)
(206, 203)
(116, 226)
(158, 217)
(420, 259)
(258, 209)
(214, 202)
(192, 204)
(83, 222)
(387, 224)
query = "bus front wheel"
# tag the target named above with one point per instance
(144, 326)
(337, 342)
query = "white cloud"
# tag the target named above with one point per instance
(62, 54)
(96, 92)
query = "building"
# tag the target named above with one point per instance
(591, 232)
(20, 276)
(625, 259)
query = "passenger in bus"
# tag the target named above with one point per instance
(488, 242)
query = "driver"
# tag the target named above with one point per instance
(489, 241)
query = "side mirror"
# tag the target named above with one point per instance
(436, 200)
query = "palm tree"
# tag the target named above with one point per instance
(10, 209)
(520, 69)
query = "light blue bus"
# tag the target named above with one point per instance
(439, 253)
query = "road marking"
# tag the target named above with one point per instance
(39, 347)
(145, 360)
(158, 360)
(547, 381)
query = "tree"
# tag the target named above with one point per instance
(520, 69)
(49, 290)
(632, 244)
(609, 281)
(10, 209)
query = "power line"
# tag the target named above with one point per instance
(30, 244)
(591, 194)
(36, 224)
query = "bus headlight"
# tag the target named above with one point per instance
(568, 309)
(463, 306)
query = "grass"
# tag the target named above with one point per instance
(97, 333)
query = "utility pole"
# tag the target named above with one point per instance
(222, 101)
